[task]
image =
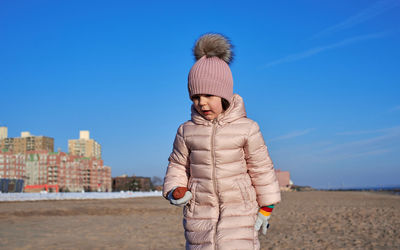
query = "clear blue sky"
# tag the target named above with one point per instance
(321, 78)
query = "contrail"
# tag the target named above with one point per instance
(316, 50)
(363, 16)
(292, 135)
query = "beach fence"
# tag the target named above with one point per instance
(11, 185)
(41, 188)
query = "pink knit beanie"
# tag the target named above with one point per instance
(211, 74)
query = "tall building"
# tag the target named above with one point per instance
(3, 132)
(7, 144)
(27, 142)
(12, 165)
(32, 159)
(68, 172)
(84, 146)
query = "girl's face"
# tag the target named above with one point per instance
(209, 106)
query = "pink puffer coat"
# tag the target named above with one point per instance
(226, 165)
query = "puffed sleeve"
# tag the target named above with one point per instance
(261, 168)
(178, 167)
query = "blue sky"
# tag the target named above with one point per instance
(320, 77)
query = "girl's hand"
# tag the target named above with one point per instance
(179, 202)
(179, 192)
(262, 218)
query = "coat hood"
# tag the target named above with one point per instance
(235, 111)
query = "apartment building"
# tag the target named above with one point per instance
(25, 143)
(84, 146)
(70, 173)
(12, 165)
(3, 132)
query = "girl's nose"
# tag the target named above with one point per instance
(202, 101)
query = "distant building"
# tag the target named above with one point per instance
(3, 132)
(84, 146)
(283, 179)
(35, 170)
(33, 160)
(27, 142)
(11, 185)
(68, 172)
(133, 183)
(12, 166)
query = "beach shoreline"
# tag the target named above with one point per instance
(314, 219)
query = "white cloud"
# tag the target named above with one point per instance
(362, 132)
(328, 152)
(292, 135)
(366, 14)
(317, 50)
(377, 145)
(367, 153)
(397, 108)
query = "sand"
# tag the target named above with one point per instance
(304, 220)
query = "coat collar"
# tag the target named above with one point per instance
(235, 111)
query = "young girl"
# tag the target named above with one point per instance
(220, 170)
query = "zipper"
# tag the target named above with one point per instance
(213, 176)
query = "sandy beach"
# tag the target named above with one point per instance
(303, 220)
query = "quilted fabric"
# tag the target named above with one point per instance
(226, 165)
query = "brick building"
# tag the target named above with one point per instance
(32, 159)
(283, 179)
(70, 173)
(133, 183)
(25, 143)
(12, 165)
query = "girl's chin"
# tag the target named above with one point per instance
(209, 117)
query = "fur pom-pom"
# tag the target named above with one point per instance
(213, 44)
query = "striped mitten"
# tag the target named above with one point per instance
(262, 218)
